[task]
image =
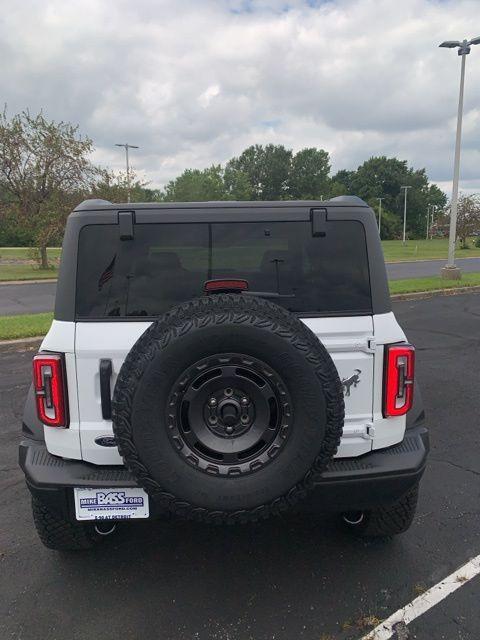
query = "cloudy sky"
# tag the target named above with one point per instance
(193, 82)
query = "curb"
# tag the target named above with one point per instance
(21, 342)
(421, 295)
(7, 282)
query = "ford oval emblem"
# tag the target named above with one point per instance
(106, 441)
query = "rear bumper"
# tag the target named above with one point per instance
(374, 479)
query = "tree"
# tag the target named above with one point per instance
(308, 176)
(265, 170)
(468, 217)
(114, 187)
(237, 185)
(383, 177)
(195, 185)
(41, 162)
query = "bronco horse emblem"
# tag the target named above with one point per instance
(353, 380)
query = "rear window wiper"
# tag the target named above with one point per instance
(269, 294)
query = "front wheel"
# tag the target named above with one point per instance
(384, 522)
(59, 534)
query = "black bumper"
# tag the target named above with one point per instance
(374, 479)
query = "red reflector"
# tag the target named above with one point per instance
(50, 391)
(225, 285)
(398, 379)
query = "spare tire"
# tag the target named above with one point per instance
(227, 408)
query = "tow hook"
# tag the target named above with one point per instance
(353, 518)
(105, 529)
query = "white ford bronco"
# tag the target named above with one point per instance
(221, 362)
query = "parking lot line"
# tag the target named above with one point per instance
(426, 600)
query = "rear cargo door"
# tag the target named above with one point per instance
(96, 342)
(349, 340)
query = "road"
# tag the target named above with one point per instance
(37, 298)
(28, 297)
(299, 577)
(425, 268)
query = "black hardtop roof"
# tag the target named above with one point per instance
(105, 205)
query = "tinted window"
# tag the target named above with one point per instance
(167, 264)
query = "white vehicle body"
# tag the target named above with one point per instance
(356, 344)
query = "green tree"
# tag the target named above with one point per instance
(237, 185)
(114, 187)
(42, 161)
(266, 170)
(383, 177)
(468, 217)
(308, 176)
(195, 185)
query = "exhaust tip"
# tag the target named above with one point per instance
(105, 530)
(353, 518)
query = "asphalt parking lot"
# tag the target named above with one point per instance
(298, 577)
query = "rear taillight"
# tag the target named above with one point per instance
(49, 380)
(398, 379)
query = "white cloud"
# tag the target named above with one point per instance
(193, 83)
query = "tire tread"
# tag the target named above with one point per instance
(216, 310)
(59, 534)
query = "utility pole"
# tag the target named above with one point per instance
(406, 188)
(428, 220)
(380, 214)
(450, 271)
(127, 146)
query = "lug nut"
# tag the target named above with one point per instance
(213, 419)
(229, 430)
(244, 401)
(212, 402)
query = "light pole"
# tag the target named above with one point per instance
(450, 271)
(379, 214)
(406, 188)
(127, 146)
(434, 208)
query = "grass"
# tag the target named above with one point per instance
(395, 251)
(25, 272)
(24, 326)
(22, 267)
(413, 285)
(23, 253)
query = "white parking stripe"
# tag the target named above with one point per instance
(426, 601)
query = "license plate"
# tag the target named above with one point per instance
(111, 504)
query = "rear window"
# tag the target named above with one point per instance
(166, 264)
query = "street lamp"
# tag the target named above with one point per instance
(406, 188)
(450, 271)
(127, 146)
(379, 214)
(434, 209)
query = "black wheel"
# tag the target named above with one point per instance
(59, 534)
(387, 521)
(227, 408)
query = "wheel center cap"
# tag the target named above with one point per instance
(230, 413)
